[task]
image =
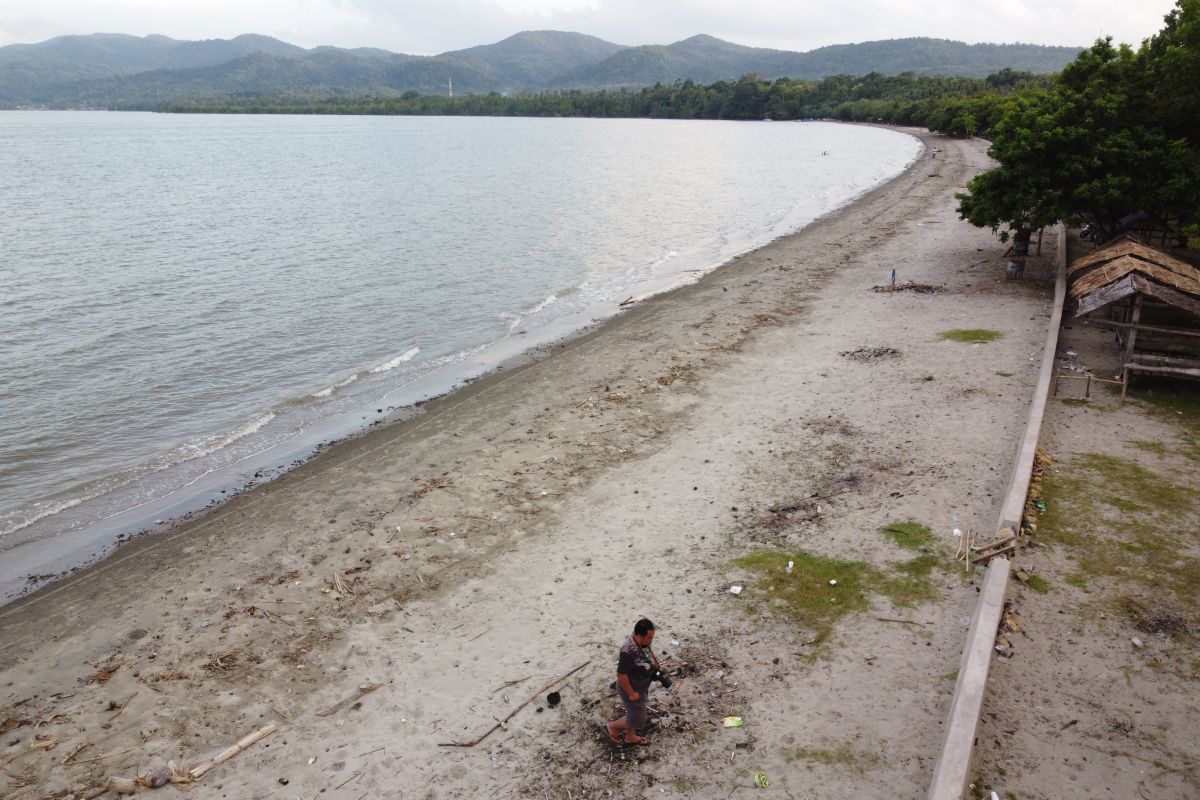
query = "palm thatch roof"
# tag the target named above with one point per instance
(1126, 266)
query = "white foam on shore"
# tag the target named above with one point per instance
(407, 355)
(539, 306)
(328, 390)
(44, 510)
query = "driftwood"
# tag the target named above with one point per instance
(513, 713)
(231, 751)
(365, 689)
(997, 548)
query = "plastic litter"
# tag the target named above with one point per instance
(733, 722)
(760, 780)
(789, 567)
(1137, 642)
(735, 590)
(832, 582)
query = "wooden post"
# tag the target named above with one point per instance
(1131, 339)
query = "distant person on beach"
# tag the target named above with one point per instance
(636, 667)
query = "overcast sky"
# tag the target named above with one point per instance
(435, 26)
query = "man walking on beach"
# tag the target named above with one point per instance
(635, 666)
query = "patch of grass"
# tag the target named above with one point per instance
(1157, 448)
(910, 535)
(1004, 374)
(1121, 520)
(1038, 584)
(807, 595)
(911, 582)
(950, 676)
(970, 335)
(1076, 580)
(843, 755)
(1176, 404)
(928, 378)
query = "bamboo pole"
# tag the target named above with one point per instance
(513, 713)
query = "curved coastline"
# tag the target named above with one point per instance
(37, 564)
(495, 535)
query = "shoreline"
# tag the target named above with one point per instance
(104, 539)
(519, 526)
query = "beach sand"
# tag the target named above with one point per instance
(516, 529)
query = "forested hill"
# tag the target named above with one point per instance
(704, 59)
(119, 71)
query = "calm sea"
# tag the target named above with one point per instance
(186, 301)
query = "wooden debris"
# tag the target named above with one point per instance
(365, 689)
(1002, 546)
(48, 744)
(102, 676)
(919, 288)
(504, 722)
(121, 707)
(515, 681)
(12, 723)
(197, 772)
(69, 757)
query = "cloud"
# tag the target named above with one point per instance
(433, 26)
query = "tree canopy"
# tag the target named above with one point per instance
(1118, 133)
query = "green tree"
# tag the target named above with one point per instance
(1117, 134)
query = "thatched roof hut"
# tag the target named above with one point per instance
(1153, 300)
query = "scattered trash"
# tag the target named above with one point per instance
(1137, 643)
(1039, 505)
(733, 722)
(993, 796)
(832, 582)
(760, 780)
(675, 643)
(789, 567)
(735, 590)
(957, 532)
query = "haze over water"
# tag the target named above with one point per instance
(186, 301)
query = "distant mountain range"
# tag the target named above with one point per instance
(120, 71)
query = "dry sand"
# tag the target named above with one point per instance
(516, 529)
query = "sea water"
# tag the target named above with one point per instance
(191, 303)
